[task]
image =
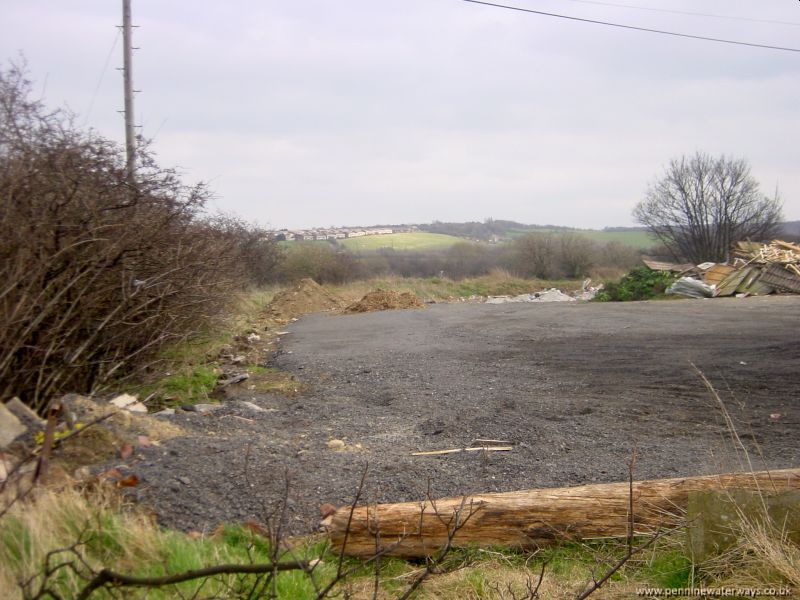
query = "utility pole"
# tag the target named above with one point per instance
(127, 76)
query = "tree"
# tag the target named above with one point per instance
(702, 205)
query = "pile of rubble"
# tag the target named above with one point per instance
(756, 270)
(587, 292)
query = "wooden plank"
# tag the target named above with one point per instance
(457, 450)
(787, 245)
(532, 518)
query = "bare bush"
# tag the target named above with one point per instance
(96, 273)
(535, 255)
(319, 261)
(702, 205)
(467, 259)
(577, 254)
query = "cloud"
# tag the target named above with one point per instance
(316, 113)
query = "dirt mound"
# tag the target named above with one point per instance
(384, 300)
(306, 297)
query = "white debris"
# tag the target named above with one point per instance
(551, 295)
(129, 403)
(693, 288)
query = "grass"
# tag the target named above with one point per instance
(401, 241)
(127, 541)
(186, 372)
(639, 240)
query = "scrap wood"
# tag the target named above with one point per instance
(532, 518)
(777, 251)
(786, 245)
(470, 449)
(483, 441)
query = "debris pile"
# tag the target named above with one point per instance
(551, 295)
(384, 300)
(306, 297)
(756, 270)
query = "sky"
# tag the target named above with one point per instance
(315, 113)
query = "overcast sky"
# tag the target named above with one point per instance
(305, 113)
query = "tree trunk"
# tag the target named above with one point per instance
(532, 518)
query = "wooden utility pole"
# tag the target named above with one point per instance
(127, 76)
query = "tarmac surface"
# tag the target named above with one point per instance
(574, 387)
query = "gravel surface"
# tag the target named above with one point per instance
(575, 386)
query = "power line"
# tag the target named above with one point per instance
(102, 76)
(633, 27)
(686, 12)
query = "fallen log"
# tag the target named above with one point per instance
(532, 518)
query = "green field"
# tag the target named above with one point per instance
(635, 239)
(401, 241)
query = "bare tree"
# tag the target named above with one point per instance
(702, 205)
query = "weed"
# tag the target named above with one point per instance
(193, 384)
(640, 283)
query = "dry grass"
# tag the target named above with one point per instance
(126, 540)
(55, 519)
(497, 283)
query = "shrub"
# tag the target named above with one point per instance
(97, 271)
(640, 283)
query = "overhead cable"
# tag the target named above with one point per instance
(633, 27)
(686, 12)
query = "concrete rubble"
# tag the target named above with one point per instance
(587, 292)
(10, 426)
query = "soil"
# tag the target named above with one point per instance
(305, 297)
(384, 300)
(575, 386)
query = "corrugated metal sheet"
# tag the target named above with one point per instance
(658, 265)
(780, 278)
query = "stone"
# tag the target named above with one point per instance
(336, 445)
(165, 412)
(25, 414)
(123, 400)
(251, 406)
(207, 407)
(10, 426)
(82, 473)
(129, 403)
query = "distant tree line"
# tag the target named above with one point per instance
(540, 255)
(487, 229)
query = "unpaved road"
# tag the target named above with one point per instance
(576, 387)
